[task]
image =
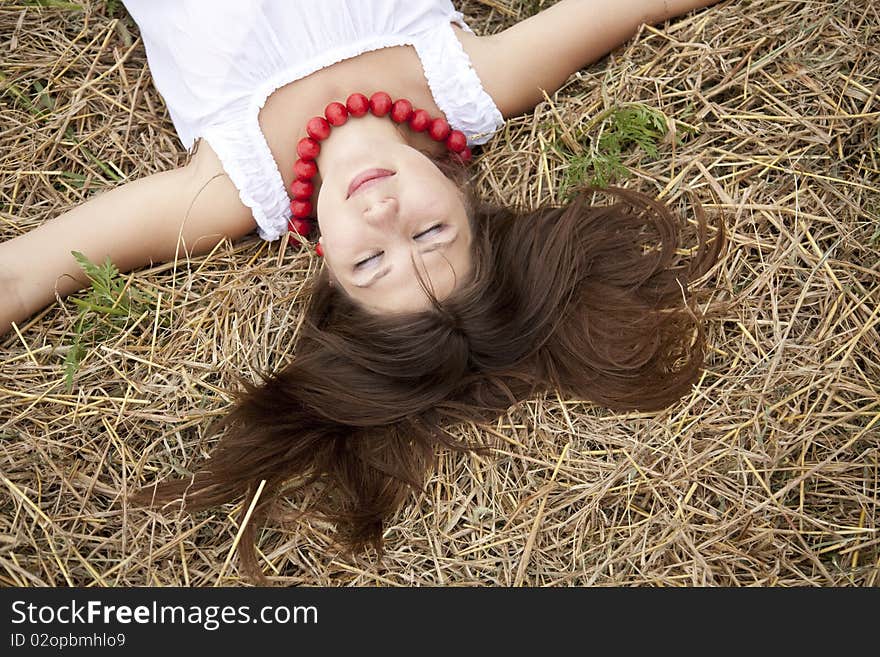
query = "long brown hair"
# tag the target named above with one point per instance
(590, 300)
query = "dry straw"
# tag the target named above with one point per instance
(767, 474)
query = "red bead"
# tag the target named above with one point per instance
(300, 209)
(401, 110)
(318, 128)
(464, 155)
(336, 113)
(305, 169)
(308, 148)
(439, 129)
(420, 120)
(357, 105)
(301, 189)
(318, 250)
(299, 226)
(380, 103)
(456, 141)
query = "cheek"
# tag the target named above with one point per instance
(427, 199)
(340, 243)
(335, 231)
(334, 259)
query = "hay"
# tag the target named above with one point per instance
(766, 475)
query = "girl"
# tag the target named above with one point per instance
(432, 307)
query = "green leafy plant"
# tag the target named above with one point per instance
(106, 309)
(622, 129)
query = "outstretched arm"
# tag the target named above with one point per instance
(136, 224)
(541, 52)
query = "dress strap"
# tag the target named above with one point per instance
(242, 148)
(455, 85)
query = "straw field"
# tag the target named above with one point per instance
(768, 474)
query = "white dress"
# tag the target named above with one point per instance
(215, 62)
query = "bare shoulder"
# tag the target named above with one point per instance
(511, 71)
(484, 52)
(205, 167)
(217, 206)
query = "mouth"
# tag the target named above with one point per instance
(367, 178)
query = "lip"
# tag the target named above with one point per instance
(366, 178)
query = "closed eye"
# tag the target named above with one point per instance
(379, 273)
(433, 230)
(373, 258)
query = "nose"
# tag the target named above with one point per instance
(382, 213)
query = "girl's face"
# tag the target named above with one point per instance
(386, 212)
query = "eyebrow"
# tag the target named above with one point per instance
(384, 272)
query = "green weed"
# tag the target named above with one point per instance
(621, 130)
(106, 309)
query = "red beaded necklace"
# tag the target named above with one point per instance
(336, 114)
